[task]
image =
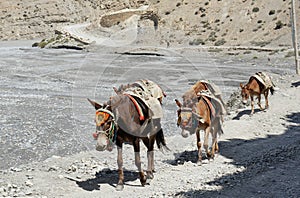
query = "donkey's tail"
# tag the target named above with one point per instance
(273, 88)
(161, 141)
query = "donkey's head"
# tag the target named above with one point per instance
(105, 127)
(245, 93)
(185, 119)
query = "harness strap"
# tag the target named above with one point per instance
(212, 109)
(137, 106)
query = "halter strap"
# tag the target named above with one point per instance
(106, 111)
(112, 132)
(198, 117)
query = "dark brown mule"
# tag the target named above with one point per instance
(198, 113)
(257, 85)
(119, 122)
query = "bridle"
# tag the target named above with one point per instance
(111, 132)
(193, 122)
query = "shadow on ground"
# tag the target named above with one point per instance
(107, 176)
(245, 112)
(295, 84)
(271, 166)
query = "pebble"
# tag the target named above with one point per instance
(28, 192)
(53, 168)
(16, 169)
(28, 183)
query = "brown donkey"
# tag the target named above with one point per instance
(201, 111)
(258, 84)
(118, 121)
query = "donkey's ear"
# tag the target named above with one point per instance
(241, 85)
(178, 103)
(95, 104)
(116, 90)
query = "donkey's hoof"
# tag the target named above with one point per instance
(120, 187)
(143, 180)
(150, 175)
(199, 162)
(211, 159)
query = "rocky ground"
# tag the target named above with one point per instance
(259, 158)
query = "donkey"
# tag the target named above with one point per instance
(200, 112)
(118, 121)
(258, 84)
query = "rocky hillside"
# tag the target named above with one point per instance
(206, 22)
(39, 18)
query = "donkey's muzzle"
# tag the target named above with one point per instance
(102, 142)
(100, 148)
(185, 133)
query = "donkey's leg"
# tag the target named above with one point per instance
(266, 98)
(199, 162)
(214, 132)
(259, 103)
(120, 184)
(150, 156)
(205, 144)
(136, 145)
(252, 105)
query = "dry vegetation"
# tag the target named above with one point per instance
(187, 22)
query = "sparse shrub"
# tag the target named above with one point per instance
(290, 54)
(247, 52)
(274, 52)
(272, 12)
(42, 44)
(260, 43)
(202, 9)
(216, 50)
(279, 25)
(36, 44)
(255, 9)
(220, 42)
(197, 41)
(259, 21)
(212, 37)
